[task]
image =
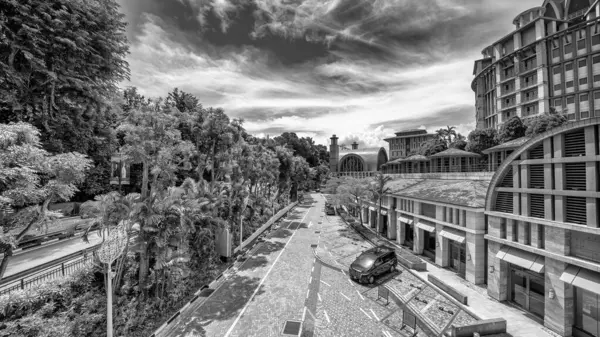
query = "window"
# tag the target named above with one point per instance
(569, 84)
(586, 311)
(558, 102)
(597, 77)
(527, 233)
(582, 63)
(503, 229)
(556, 70)
(583, 98)
(596, 58)
(515, 231)
(556, 52)
(568, 66)
(541, 236)
(583, 81)
(557, 87)
(571, 100)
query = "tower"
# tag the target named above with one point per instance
(334, 153)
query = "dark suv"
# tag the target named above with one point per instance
(372, 263)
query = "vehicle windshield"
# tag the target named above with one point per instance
(365, 261)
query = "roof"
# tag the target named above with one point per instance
(468, 193)
(511, 144)
(452, 152)
(416, 157)
(369, 155)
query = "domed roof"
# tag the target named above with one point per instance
(373, 157)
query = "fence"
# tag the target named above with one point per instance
(45, 272)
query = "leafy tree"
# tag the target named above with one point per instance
(432, 147)
(31, 178)
(379, 188)
(60, 64)
(542, 123)
(355, 191)
(511, 129)
(481, 139)
(450, 132)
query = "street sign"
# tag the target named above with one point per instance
(383, 293)
(409, 320)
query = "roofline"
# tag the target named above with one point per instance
(529, 10)
(591, 7)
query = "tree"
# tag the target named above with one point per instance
(432, 147)
(511, 129)
(356, 191)
(542, 123)
(379, 189)
(31, 178)
(450, 131)
(482, 139)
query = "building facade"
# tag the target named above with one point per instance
(407, 142)
(550, 61)
(543, 234)
(355, 162)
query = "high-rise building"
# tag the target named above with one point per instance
(550, 61)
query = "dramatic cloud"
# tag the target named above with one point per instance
(358, 69)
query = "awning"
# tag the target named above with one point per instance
(372, 208)
(405, 220)
(453, 235)
(426, 227)
(522, 258)
(582, 278)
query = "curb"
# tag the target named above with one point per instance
(38, 246)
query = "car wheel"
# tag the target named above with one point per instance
(392, 268)
(371, 279)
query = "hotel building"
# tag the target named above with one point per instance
(550, 60)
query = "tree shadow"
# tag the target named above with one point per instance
(259, 258)
(224, 304)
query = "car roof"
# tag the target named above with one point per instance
(380, 250)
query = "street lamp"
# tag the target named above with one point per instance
(108, 252)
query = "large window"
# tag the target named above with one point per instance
(428, 210)
(587, 313)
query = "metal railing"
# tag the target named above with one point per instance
(60, 267)
(442, 169)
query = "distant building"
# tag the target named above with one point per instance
(550, 60)
(355, 162)
(407, 142)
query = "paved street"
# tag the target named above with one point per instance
(283, 280)
(37, 256)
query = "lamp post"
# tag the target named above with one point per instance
(108, 252)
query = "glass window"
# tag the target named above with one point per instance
(583, 97)
(582, 63)
(541, 236)
(586, 311)
(569, 66)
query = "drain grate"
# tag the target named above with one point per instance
(292, 328)
(313, 246)
(206, 292)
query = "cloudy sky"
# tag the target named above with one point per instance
(359, 69)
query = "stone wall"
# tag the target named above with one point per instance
(558, 311)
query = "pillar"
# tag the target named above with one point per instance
(558, 311)
(401, 232)
(392, 221)
(442, 247)
(497, 287)
(419, 241)
(475, 255)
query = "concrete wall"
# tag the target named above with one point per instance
(558, 312)
(498, 278)
(475, 254)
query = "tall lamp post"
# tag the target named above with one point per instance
(108, 252)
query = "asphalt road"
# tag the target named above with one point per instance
(284, 281)
(37, 256)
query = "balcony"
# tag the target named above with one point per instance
(528, 65)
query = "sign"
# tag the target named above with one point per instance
(224, 244)
(383, 293)
(409, 320)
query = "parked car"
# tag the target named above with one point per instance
(373, 263)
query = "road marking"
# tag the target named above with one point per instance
(313, 269)
(330, 253)
(327, 284)
(262, 281)
(310, 280)
(387, 334)
(349, 281)
(326, 316)
(307, 292)
(304, 314)
(319, 295)
(359, 294)
(373, 312)
(364, 312)
(348, 298)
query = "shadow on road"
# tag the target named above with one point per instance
(223, 305)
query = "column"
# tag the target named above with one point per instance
(419, 241)
(558, 311)
(591, 175)
(401, 232)
(442, 247)
(559, 179)
(497, 287)
(392, 224)
(475, 255)
(524, 184)
(548, 182)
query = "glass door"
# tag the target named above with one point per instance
(457, 258)
(527, 290)
(409, 235)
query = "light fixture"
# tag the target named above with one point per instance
(469, 257)
(492, 269)
(551, 294)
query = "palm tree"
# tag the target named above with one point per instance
(450, 131)
(379, 188)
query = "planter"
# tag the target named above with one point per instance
(448, 289)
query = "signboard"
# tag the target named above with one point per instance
(383, 293)
(409, 320)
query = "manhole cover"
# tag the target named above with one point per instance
(206, 292)
(292, 328)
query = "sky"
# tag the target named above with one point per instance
(359, 69)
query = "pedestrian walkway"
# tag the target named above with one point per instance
(519, 324)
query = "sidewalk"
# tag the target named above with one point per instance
(518, 324)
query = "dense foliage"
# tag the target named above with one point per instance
(513, 128)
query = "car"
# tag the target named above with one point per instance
(318, 190)
(330, 211)
(372, 263)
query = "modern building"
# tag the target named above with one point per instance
(355, 162)
(450, 160)
(543, 236)
(407, 142)
(550, 60)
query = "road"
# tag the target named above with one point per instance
(37, 256)
(283, 281)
